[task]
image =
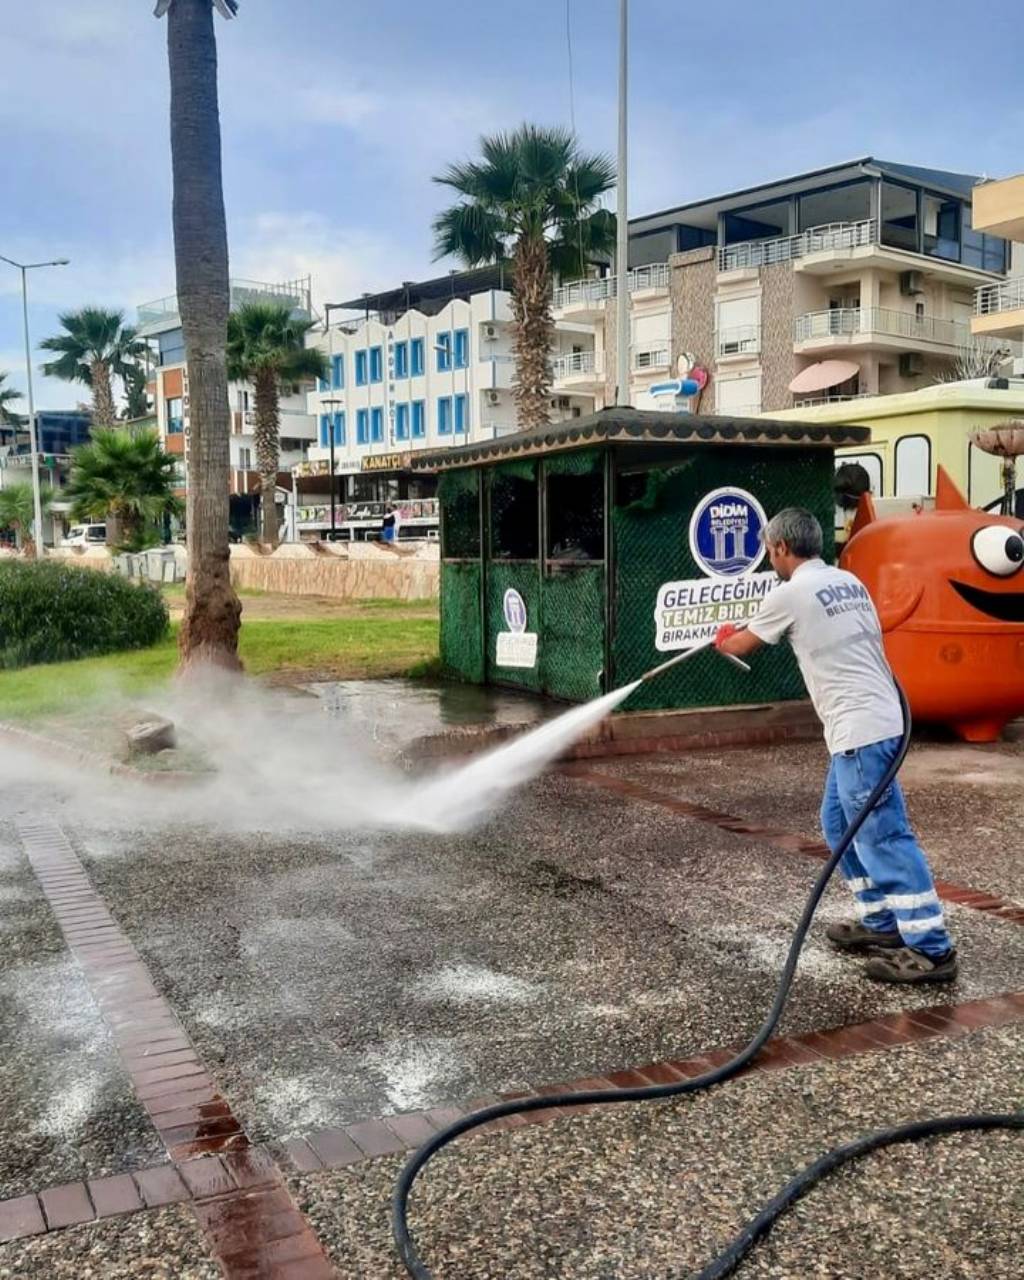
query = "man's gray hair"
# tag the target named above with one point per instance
(798, 529)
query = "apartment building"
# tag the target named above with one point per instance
(854, 280)
(999, 305)
(426, 364)
(159, 323)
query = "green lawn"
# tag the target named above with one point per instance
(343, 648)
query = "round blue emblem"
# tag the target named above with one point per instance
(515, 610)
(725, 533)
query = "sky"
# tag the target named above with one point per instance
(336, 114)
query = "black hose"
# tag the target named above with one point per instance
(727, 1261)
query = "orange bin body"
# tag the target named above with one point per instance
(950, 598)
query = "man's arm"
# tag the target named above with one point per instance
(739, 642)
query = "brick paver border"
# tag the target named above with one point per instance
(791, 842)
(210, 1182)
(236, 1190)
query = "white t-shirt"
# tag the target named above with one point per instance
(834, 630)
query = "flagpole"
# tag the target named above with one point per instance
(621, 217)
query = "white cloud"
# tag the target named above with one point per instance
(338, 106)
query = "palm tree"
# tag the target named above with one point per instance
(209, 629)
(96, 347)
(17, 512)
(532, 199)
(123, 476)
(267, 346)
(9, 420)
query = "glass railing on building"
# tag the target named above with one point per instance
(845, 322)
(578, 363)
(990, 299)
(766, 253)
(739, 340)
(586, 292)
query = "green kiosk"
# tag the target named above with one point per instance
(577, 556)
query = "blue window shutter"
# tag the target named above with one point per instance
(324, 429)
(444, 416)
(362, 426)
(376, 365)
(377, 430)
(322, 384)
(401, 359)
(461, 415)
(337, 371)
(444, 352)
(461, 348)
(402, 422)
(360, 368)
(339, 427)
(418, 419)
(417, 357)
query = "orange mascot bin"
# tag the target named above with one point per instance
(948, 585)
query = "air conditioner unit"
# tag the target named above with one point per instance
(493, 398)
(911, 364)
(911, 283)
(490, 332)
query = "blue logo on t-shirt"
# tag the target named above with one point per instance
(725, 533)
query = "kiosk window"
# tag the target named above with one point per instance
(513, 517)
(576, 517)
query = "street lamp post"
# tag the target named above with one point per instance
(330, 405)
(24, 268)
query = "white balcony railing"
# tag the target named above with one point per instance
(649, 356)
(1008, 295)
(589, 292)
(740, 340)
(577, 364)
(765, 253)
(845, 322)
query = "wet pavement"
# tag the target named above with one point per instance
(329, 977)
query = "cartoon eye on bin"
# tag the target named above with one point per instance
(998, 550)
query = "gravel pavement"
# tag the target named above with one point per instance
(653, 1191)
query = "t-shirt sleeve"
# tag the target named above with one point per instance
(775, 617)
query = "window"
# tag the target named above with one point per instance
(872, 464)
(913, 466)
(401, 359)
(175, 416)
(339, 427)
(899, 217)
(362, 426)
(376, 425)
(245, 459)
(402, 422)
(323, 384)
(325, 427)
(419, 419)
(738, 396)
(575, 516)
(443, 347)
(376, 365)
(360, 368)
(461, 348)
(514, 530)
(444, 416)
(461, 414)
(942, 227)
(416, 357)
(983, 251)
(337, 371)
(739, 326)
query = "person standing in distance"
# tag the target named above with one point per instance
(831, 623)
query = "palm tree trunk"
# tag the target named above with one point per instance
(104, 412)
(531, 310)
(209, 630)
(268, 449)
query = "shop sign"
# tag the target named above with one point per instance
(517, 647)
(386, 462)
(725, 541)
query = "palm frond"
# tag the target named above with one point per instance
(472, 233)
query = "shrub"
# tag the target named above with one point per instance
(52, 612)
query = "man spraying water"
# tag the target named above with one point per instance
(830, 622)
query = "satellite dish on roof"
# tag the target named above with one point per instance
(685, 363)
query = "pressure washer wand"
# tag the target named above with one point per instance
(689, 653)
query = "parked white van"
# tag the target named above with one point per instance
(86, 535)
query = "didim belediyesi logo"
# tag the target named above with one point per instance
(515, 610)
(725, 533)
